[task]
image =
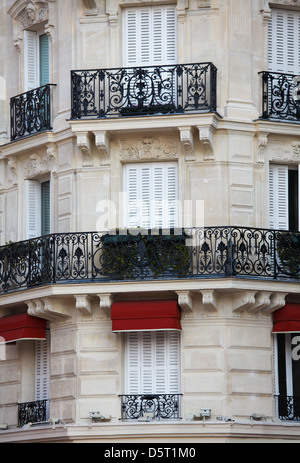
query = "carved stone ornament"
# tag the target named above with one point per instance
(40, 165)
(286, 2)
(148, 149)
(204, 3)
(13, 174)
(286, 153)
(29, 12)
(90, 7)
(262, 141)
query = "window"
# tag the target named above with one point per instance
(151, 195)
(287, 354)
(150, 36)
(152, 362)
(284, 42)
(36, 60)
(37, 208)
(284, 197)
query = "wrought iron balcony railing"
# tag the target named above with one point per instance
(281, 96)
(30, 112)
(288, 408)
(182, 88)
(32, 412)
(160, 406)
(150, 255)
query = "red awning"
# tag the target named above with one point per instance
(145, 316)
(287, 319)
(22, 326)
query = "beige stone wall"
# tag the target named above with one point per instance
(226, 342)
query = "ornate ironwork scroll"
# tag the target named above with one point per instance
(32, 412)
(30, 112)
(163, 406)
(288, 408)
(280, 98)
(144, 91)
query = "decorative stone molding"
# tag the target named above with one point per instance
(285, 2)
(149, 149)
(262, 141)
(204, 3)
(209, 300)
(29, 12)
(187, 141)
(18, 44)
(84, 143)
(288, 153)
(243, 301)
(50, 309)
(206, 137)
(277, 301)
(84, 304)
(41, 165)
(90, 7)
(102, 142)
(185, 301)
(106, 301)
(262, 300)
(12, 166)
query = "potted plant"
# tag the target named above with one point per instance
(288, 249)
(144, 254)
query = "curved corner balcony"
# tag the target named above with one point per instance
(139, 91)
(140, 255)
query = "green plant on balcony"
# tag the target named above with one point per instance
(288, 248)
(134, 255)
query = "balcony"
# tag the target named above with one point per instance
(30, 112)
(155, 406)
(152, 90)
(288, 408)
(281, 96)
(137, 255)
(33, 412)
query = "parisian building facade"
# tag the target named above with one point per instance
(149, 221)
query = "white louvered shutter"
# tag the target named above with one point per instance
(150, 36)
(152, 193)
(42, 369)
(152, 362)
(31, 70)
(279, 201)
(33, 208)
(284, 42)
